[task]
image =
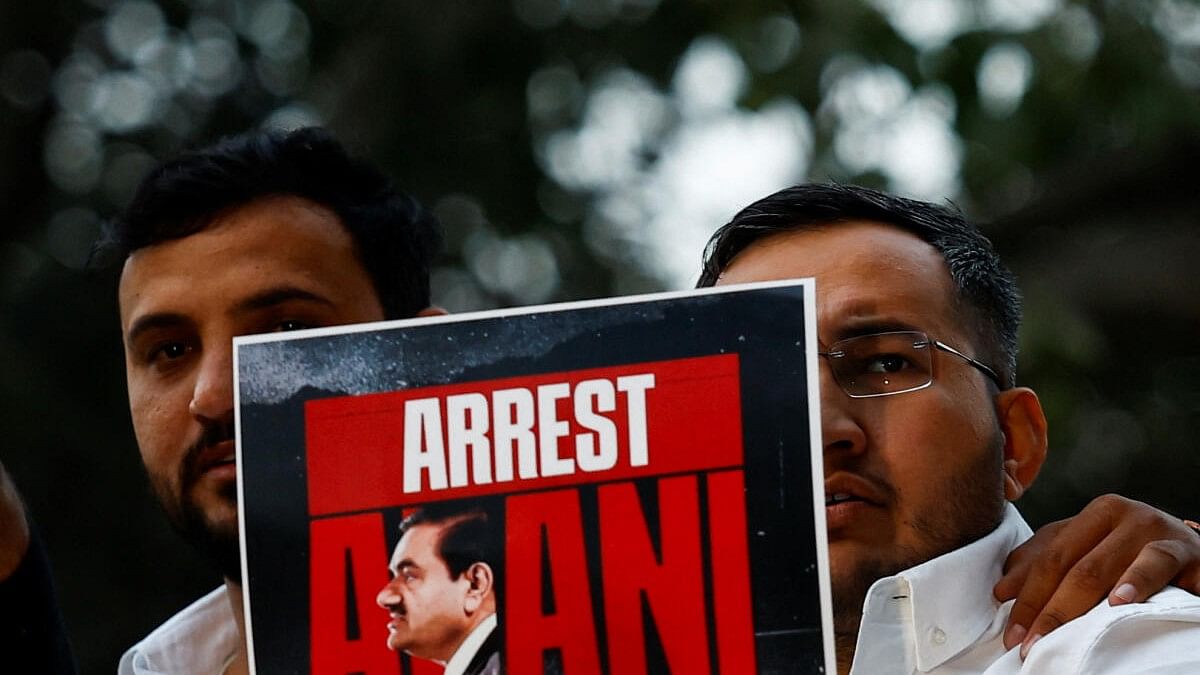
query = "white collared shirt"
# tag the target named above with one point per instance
(202, 638)
(940, 617)
(466, 651)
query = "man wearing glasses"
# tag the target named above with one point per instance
(927, 440)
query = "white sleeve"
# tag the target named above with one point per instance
(1157, 637)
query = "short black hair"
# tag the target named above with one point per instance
(985, 288)
(394, 237)
(470, 534)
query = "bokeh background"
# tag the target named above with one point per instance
(583, 148)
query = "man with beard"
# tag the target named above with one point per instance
(272, 231)
(264, 232)
(442, 593)
(926, 440)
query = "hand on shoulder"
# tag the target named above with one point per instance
(1116, 548)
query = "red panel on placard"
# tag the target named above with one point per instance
(692, 423)
(732, 605)
(336, 543)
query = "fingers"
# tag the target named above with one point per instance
(1115, 547)
(1037, 568)
(1019, 563)
(1158, 563)
(1086, 583)
(1189, 578)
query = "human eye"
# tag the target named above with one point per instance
(888, 360)
(886, 363)
(164, 353)
(291, 316)
(288, 325)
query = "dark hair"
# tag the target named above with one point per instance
(985, 288)
(394, 237)
(470, 534)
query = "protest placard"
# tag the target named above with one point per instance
(624, 486)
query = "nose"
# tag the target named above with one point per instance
(387, 596)
(840, 429)
(212, 394)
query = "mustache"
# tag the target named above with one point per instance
(396, 608)
(211, 434)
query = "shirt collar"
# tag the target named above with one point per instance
(951, 596)
(201, 638)
(466, 651)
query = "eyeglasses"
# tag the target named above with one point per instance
(890, 363)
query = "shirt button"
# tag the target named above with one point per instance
(939, 636)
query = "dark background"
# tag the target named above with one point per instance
(582, 148)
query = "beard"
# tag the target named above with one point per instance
(972, 506)
(215, 542)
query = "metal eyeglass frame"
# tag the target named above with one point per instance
(834, 353)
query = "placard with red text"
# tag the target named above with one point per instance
(627, 486)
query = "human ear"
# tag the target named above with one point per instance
(1024, 425)
(479, 585)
